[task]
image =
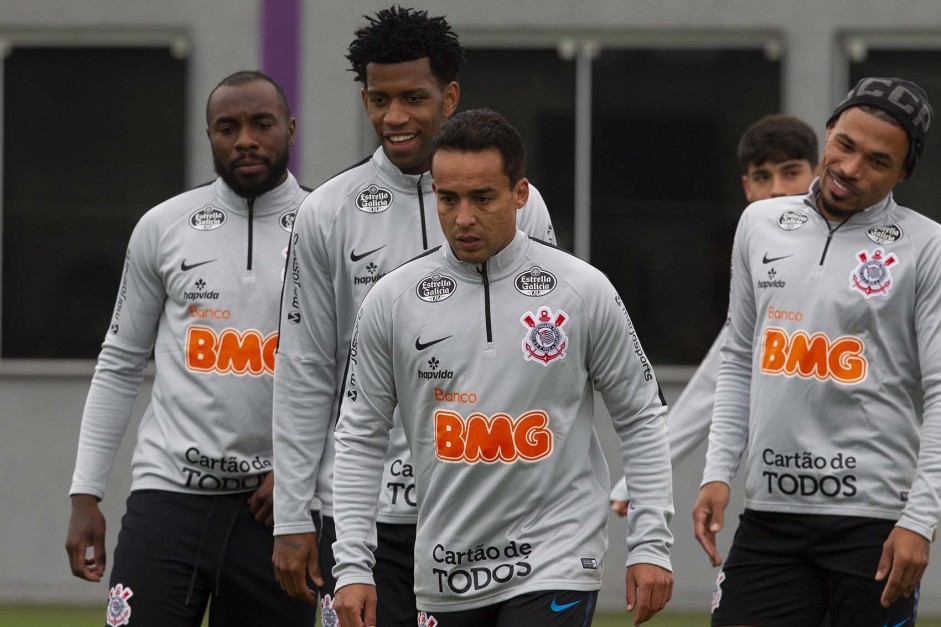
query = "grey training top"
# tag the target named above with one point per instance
(350, 232)
(832, 330)
(200, 288)
(494, 370)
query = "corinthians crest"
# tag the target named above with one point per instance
(119, 610)
(545, 340)
(872, 277)
(327, 613)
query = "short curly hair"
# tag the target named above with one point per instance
(397, 35)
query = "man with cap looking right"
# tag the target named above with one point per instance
(834, 322)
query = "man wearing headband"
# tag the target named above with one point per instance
(834, 322)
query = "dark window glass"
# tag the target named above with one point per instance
(666, 184)
(921, 66)
(92, 138)
(535, 90)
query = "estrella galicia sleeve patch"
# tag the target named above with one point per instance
(287, 220)
(374, 199)
(792, 220)
(886, 234)
(436, 287)
(208, 218)
(535, 282)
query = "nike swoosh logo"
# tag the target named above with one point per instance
(185, 267)
(355, 257)
(767, 259)
(900, 624)
(555, 607)
(419, 346)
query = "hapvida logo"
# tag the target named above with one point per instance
(201, 293)
(373, 276)
(434, 373)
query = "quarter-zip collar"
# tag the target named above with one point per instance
(875, 215)
(280, 199)
(405, 183)
(501, 265)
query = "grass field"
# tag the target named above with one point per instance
(30, 616)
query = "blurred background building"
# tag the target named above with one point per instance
(631, 111)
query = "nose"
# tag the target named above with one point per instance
(777, 186)
(246, 139)
(396, 113)
(851, 166)
(464, 215)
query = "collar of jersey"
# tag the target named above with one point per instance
(405, 183)
(503, 264)
(281, 198)
(877, 214)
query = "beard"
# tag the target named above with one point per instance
(253, 188)
(830, 207)
(837, 211)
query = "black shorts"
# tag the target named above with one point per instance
(552, 608)
(394, 572)
(178, 553)
(790, 569)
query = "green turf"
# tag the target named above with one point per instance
(33, 616)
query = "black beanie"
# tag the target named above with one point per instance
(903, 100)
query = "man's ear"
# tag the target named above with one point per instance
(521, 192)
(746, 188)
(452, 96)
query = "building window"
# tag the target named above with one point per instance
(665, 181)
(92, 138)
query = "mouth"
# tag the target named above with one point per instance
(397, 139)
(467, 242)
(246, 165)
(839, 186)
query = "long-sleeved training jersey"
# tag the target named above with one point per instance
(201, 284)
(832, 328)
(689, 417)
(350, 232)
(493, 368)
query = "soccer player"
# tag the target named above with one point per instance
(834, 323)
(200, 289)
(778, 154)
(510, 478)
(350, 232)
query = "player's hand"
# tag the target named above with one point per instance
(709, 516)
(904, 560)
(261, 502)
(86, 529)
(620, 507)
(295, 556)
(649, 589)
(355, 605)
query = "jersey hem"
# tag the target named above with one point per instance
(392, 519)
(863, 512)
(479, 602)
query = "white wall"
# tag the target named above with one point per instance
(40, 404)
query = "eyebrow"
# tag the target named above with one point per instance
(876, 154)
(262, 115)
(472, 192)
